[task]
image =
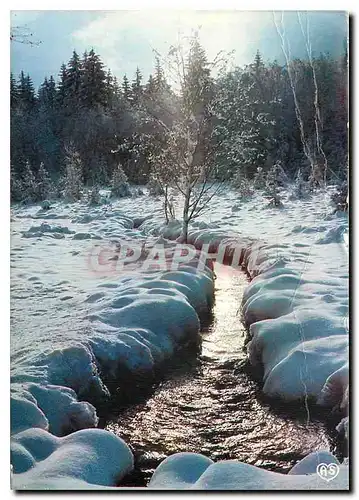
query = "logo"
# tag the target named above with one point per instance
(328, 472)
(135, 256)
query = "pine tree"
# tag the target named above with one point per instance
(126, 88)
(29, 185)
(116, 88)
(26, 91)
(109, 88)
(14, 92)
(198, 83)
(62, 86)
(51, 94)
(94, 91)
(150, 89)
(44, 185)
(16, 193)
(159, 78)
(73, 175)
(137, 87)
(73, 80)
(43, 93)
(119, 184)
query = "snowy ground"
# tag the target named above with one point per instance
(78, 317)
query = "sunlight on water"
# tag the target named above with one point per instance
(207, 404)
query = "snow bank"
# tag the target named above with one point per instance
(194, 471)
(132, 325)
(81, 460)
(295, 307)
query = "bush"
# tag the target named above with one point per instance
(340, 197)
(300, 188)
(94, 196)
(15, 187)
(44, 184)
(272, 186)
(259, 179)
(154, 187)
(73, 177)
(243, 186)
(120, 188)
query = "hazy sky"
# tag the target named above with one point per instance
(125, 39)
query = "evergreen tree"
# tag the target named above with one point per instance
(73, 80)
(137, 87)
(47, 93)
(109, 88)
(73, 175)
(116, 89)
(126, 88)
(151, 88)
(26, 91)
(14, 92)
(197, 89)
(159, 78)
(44, 185)
(94, 90)
(62, 86)
(119, 184)
(29, 185)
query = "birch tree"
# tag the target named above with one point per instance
(186, 162)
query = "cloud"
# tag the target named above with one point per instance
(125, 39)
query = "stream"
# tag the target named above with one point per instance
(208, 403)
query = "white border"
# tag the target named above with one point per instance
(4, 170)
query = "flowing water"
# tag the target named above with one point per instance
(208, 403)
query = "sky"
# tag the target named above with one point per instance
(125, 39)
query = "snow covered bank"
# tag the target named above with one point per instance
(197, 472)
(95, 459)
(106, 319)
(77, 320)
(296, 305)
(85, 459)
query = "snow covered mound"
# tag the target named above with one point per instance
(85, 459)
(132, 324)
(197, 472)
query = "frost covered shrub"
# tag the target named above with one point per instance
(340, 197)
(119, 185)
(154, 187)
(272, 186)
(29, 190)
(73, 177)
(94, 196)
(243, 186)
(259, 181)
(45, 205)
(44, 184)
(300, 188)
(15, 187)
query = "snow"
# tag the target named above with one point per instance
(88, 457)
(297, 302)
(85, 316)
(194, 471)
(80, 315)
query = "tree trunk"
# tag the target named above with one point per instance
(166, 204)
(185, 219)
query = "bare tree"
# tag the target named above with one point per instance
(186, 162)
(22, 34)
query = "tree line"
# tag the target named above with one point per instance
(210, 124)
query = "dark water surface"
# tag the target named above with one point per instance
(207, 403)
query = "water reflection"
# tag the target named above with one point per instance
(207, 404)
